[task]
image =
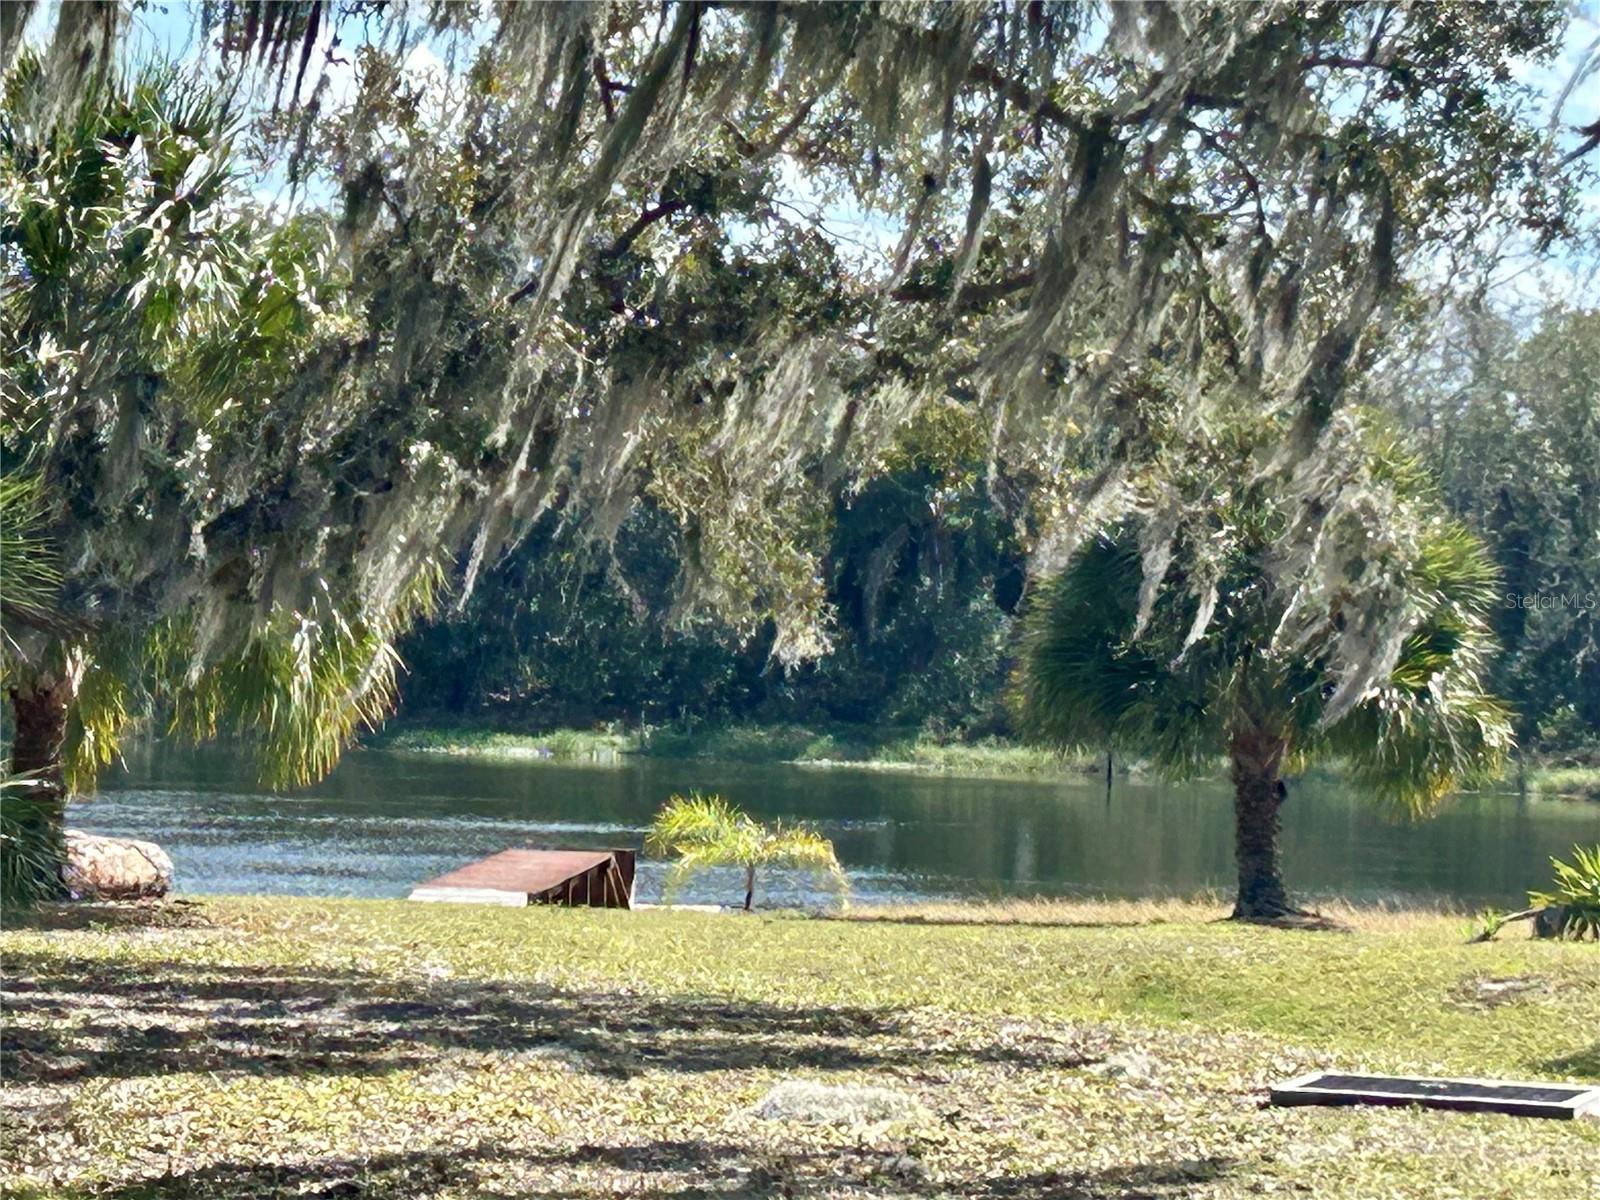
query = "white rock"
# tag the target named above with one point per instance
(111, 868)
(824, 1104)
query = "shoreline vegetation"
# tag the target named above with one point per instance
(252, 1046)
(847, 747)
(820, 747)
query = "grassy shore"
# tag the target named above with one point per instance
(853, 747)
(820, 747)
(267, 1047)
(1578, 783)
(556, 745)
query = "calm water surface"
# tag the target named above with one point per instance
(383, 822)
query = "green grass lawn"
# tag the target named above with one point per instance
(275, 1047)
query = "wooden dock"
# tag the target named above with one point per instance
(514, 878)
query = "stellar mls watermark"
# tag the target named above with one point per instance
(1550, 601)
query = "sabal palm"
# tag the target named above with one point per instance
(1093, 676)
(29, 836)
(707, 831)
(151, 316)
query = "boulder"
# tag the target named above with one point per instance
(113, 868)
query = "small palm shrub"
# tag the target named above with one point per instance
(31, 848)
(1571, 909)
(1490, 922)
(1577, 891)
(706, 831)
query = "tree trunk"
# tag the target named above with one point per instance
(749, 887)
(37, 808)
(1257, 794)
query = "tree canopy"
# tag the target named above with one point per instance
(1509, 420)
(595, 255)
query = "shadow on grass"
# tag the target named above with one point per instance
(74, 1019)
(80, 915)
(653, 1171)
(417, 1173)
(1584, 1063)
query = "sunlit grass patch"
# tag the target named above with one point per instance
(558, 745)
(1047, 912)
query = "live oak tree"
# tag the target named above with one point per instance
(594, 255)
(1210, 657)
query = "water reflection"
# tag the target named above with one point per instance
(382, 822)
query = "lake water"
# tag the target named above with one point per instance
(383, 822)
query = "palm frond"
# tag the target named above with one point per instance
(101, 712)
(29, 576)
(1577, 890)
(302, 687)
(707, 827)
(795, 846)
(31, 847)
(1432, 728)
(1082, 677)
(1212, 654)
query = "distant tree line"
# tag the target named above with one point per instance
(1510, 426)
(925, 574)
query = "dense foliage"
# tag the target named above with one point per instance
(156, 329)
(1509, 421)
(923, 574)
(547, 260)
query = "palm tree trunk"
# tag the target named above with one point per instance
(38, 815)
(1257, 794)
(749, 886)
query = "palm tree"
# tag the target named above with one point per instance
(707, 831)
(1204, 667)
(31, 845)
(154, 322)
